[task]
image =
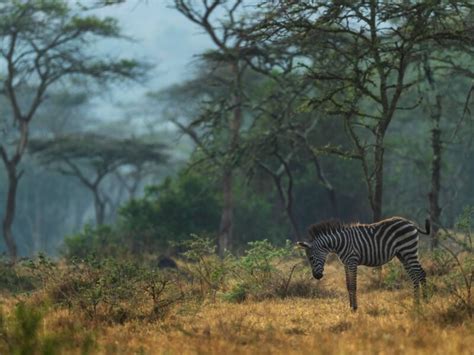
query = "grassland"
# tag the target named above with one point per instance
(387, 322)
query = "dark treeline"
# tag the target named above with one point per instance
(302, 111)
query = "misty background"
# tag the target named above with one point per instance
(154, 158)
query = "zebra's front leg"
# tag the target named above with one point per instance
(351, 283)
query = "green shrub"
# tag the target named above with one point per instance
(172, 211)
(394, 276)
(266, 271)
(203, 266)
(237, 294)
(457, 255)
(465, 225)
(102, 241)
(112, 291)
(15, 278)
(168, 212)
(23, 333)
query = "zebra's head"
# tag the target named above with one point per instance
(316, 254)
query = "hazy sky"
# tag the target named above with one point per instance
(163, 37)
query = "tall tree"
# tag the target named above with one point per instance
(44, 42)
(230, 53)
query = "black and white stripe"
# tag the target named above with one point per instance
(366, 244)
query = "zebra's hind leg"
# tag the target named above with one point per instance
(351, 283)
(424, 288)
(416, 273)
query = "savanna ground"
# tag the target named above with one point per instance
(263, 302)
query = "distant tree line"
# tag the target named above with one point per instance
(302, 111)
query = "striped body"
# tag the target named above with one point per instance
(366, 244)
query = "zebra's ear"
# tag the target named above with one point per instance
(304, 244)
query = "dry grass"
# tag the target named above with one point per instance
(294, 326)
(386, 322)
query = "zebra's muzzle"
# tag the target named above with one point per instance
(317, 276)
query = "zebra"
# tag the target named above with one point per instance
(366, 244)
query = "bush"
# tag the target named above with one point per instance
(266, 271)
(15, 278)
(394, 276)
(173, 211)
(23, 333)
(108, 290)
(101, 241)
(203, 266)
(457, 255)
(168, 212)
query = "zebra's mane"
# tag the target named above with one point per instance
(324, 227)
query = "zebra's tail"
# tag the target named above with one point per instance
(427, 228)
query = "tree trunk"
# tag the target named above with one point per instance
(13, 180)
(99, 207)
(378, 176)
(378, 191)
(10, 207)
(294, 225)
(289, 201)
(433, 195)
(227, 216)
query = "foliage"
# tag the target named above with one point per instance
(97, 151)
(173, 210)
(465, 225)
(458, 254)
(100, 241)
(258, 259)
(14, 279)
(189, 204)
(24, 337)
(23, 332)
(204, 266)
(169, 212)
(107, 290)
(266, 271)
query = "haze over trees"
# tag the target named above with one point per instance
(44, 43)
(300, 112)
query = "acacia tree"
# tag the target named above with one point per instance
(226, 115)
(92, 158)
(43, 43)
(359, 55)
